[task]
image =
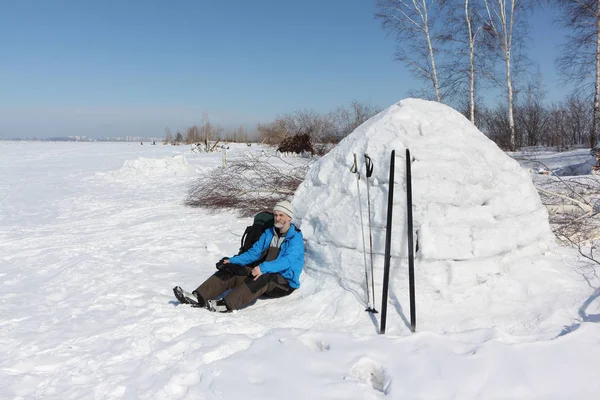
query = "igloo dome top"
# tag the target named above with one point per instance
(470, 199)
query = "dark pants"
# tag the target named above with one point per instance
(244, 288)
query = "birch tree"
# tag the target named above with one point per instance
(477, 29)
(471, 35)
(468, 61)
(503, 19)
(580, 60)
(413, 22)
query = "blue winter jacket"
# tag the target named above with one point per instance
(288, 263)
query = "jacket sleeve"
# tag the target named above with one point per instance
(292, 257)
(253, 253)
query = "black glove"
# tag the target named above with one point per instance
(234, 269)
(220, 263)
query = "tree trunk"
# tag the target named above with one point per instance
(471, 65)
(511, 120)
(596, 119)
(509, 86)
(436, 85)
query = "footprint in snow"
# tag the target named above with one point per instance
(315, 344)
(370, 372)
(212, 248)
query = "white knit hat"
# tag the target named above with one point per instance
(285, 207)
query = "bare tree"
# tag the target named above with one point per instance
(206, 136)
(471, 34)
(505, 24)
(556, 134)
(178, 138)
(467, 64)
(569, 124)
(414, 24)
(206, 132)
(580, 59)
(272, 133)
(476, 30)
(494, 123)
(581, 120)
(241, 135)
(192, 134)
(561, 125)
(319, 127)
(349, 118)
(168, 136)
(531, 115)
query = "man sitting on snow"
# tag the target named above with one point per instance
(271, 267)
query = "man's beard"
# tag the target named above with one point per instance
(279, 225)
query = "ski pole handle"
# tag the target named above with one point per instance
(354, 167)
(368, 165)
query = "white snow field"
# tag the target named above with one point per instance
(93, 237)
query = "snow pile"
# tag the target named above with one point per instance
(584, 168)
(482, 230)
(144, 167)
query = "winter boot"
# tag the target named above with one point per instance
(187, 298)
(217, 306)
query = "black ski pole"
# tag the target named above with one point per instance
(388, 246)
(368, 174)
(354, 169)
(411, 255)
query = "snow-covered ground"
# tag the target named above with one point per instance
(566, 163)
(93, 236)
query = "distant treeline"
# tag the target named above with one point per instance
(322, 129)
(560, 125)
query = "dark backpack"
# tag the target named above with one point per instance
(262, 221)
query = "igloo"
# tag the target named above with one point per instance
(486, 254)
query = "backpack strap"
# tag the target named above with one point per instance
(244, 238)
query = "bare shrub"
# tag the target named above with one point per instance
(249, 185)
(572, 211)
(296, 144)
(295, 128)
(570, 204)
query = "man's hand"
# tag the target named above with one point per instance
(256, 272)
(222, 262)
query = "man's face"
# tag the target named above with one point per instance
(282, 220)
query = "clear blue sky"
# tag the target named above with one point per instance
(116, 68)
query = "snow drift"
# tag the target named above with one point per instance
(144, 167)
(482, 231)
